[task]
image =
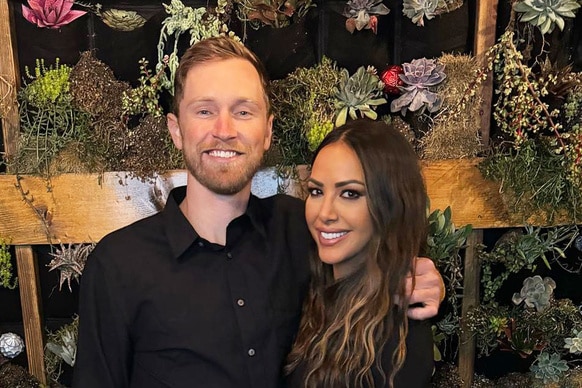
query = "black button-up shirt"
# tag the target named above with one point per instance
(162, 307)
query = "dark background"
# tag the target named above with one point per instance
(322, 32)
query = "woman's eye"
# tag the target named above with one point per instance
(351, 194)
(313, 191)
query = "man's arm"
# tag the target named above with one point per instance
(103, 348)
(428, 292)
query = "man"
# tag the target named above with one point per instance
(208, 292)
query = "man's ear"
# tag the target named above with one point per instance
(269, 134)
(174, 129)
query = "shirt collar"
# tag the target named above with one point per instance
(180, 233)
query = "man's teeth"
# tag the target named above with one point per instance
(222, 154)
(330, 236)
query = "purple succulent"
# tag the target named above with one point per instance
(419, 76)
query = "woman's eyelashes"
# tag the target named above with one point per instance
(345, 193)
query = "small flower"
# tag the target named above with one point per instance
(574, 344)
(11, 345)
(391, 79)
(50, 13)
(536, 292)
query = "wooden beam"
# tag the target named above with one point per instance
(485, 25)
(471, 279)
(9, 79)
(74, 208)
(30, 301)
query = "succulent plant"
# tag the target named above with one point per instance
(536, 292)
(417, 10)
(11, 345)
(360, 92)
(549, 367)
(419, 76)
(546, 14)
(122, 20)
(574, 344)
(70, 261)
(360, 14)
(50, 14)
(275, 13)
(67, 348)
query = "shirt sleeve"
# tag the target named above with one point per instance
(419, 363)
(104, 345)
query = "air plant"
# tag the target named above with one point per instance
(70, 261)
(50, 13)
(546, 14)
(361, 14)
(419, 77)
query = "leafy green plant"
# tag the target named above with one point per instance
(7, 279)
(144, 99)
(518, 250)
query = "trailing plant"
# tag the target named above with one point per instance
(7, 278)
(48, 119)
(198, 23)
(522, 249)
(444, 244)
(534, 180)
(274, 13)
(144, 99)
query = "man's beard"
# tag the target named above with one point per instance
(226, 179)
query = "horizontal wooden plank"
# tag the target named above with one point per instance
(83, 208)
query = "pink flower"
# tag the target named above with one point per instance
(50, 13)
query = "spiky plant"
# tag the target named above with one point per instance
(70, 261)
(358, 93)
(546, 14)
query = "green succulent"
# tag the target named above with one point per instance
(549, 367)
(122, 20)
(546, 14)
(574, 344)
(360, 92)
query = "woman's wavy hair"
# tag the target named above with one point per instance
(340, 339)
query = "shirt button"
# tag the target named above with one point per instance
(229, 255)
(200, 244)
(251, 352)
(240, 302)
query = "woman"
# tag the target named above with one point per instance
(366, 210)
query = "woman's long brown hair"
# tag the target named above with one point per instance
(340, 339)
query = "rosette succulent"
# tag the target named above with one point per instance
(417, 10)
(419, 76)
(546, 14)
(50, 13)
(360, 14)
(549, 367)
(536, 292)
(574, 344)
(360, 92)
(122, 20)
